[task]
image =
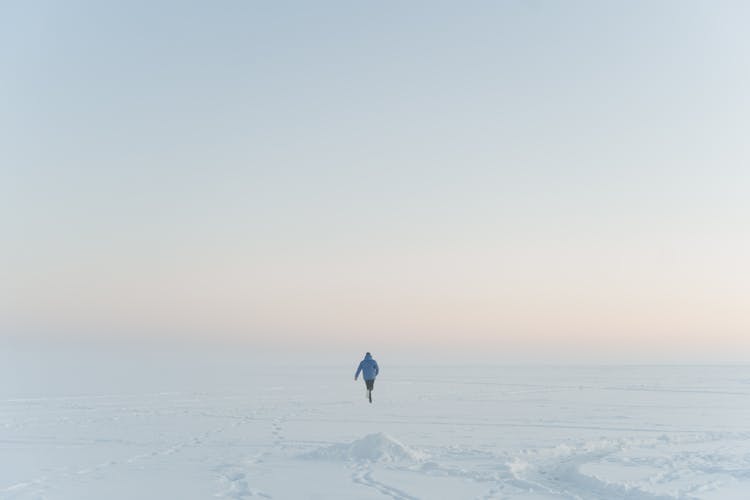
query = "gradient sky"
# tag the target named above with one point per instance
(494, 177)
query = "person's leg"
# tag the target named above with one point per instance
(369, 384)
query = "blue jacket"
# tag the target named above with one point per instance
(368, 367)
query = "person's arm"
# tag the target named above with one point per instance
(359, 369)
(377, 368)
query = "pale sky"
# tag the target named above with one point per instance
(489, 177)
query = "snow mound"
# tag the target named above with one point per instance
(377, 447)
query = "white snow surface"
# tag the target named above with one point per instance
(115, 429)
(377, 447)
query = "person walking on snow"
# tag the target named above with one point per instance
(370, 370)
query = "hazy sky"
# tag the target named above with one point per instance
(493, 177)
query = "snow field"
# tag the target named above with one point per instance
(432, 432)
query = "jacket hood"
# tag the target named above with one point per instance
(368, 356)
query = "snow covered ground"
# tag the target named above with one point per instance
(95, 430)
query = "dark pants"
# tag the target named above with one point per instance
(369, 384)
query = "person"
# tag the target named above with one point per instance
(369, 368)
